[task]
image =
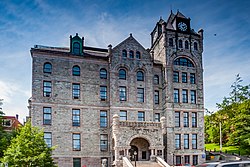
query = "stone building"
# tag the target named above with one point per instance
(98, 105)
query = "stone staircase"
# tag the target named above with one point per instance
(146, 164)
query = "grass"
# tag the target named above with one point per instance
(228, 149)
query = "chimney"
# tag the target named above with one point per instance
(17, 116)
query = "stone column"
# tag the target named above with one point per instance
(115, 131)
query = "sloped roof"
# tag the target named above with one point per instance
(130, 38)
(179, 14)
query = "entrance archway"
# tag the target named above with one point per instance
(141, 146)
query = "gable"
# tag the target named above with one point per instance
(131, 45)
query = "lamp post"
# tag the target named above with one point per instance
(135, 153)
(220, 139)
(220, 135)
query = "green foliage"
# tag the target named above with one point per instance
(28, 149)
(5, 138)
(234, 115)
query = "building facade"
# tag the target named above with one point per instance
(98, 105)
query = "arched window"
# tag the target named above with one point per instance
(124, 53)
(76, 71)
(131, 54)
(76, 48)
(47, 68)
(183, 62)
(103, 73)
(156, 79)
(122, 74)
(138, 55)
(180, 44)
(186, 45)
(140, 76)
(171, 42)
(195, 46)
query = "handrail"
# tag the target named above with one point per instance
(159, 160)
(126, 162)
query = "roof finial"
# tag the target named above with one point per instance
(130, 34)
(76, 34)
(160, 17)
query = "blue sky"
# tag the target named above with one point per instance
(25, 23)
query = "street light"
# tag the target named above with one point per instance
(135, 153)
(220, 139)
(220, 136)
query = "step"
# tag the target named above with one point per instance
(146, 164)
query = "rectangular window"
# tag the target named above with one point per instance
(177, 119)
(176, 96)
(47, 88)
(194, 119)
(194, 141)
(187, 159)
(141, 116)
(47, 115)
(184, 77)
(104, 143)
(156, 97)
(103, 93)
(185, 119)
(48, 138)
(6, 123)
(195, 159)
(122, 93)
(76, 162)
(76, 91)
(178, 160)
(157, 117)
(76, 141)
(192, 78)
(103, 119)
(75, 117)
(184, 96)
(177, 141)
(140, 95)
(193, 96)
(176, 76)
(186, 141)
(123, 115)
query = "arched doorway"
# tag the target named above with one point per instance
(141, 146)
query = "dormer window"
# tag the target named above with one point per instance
(124, 53)
(131, 54)
(76, 45)
(47, 68)
(138, 55)
(76, 48)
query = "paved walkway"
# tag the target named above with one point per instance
(146, 164)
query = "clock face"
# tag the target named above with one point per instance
(182, 26)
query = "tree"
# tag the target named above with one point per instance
(28, 149)
(238, 94)
(234, 116)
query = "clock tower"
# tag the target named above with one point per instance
(179, 48)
